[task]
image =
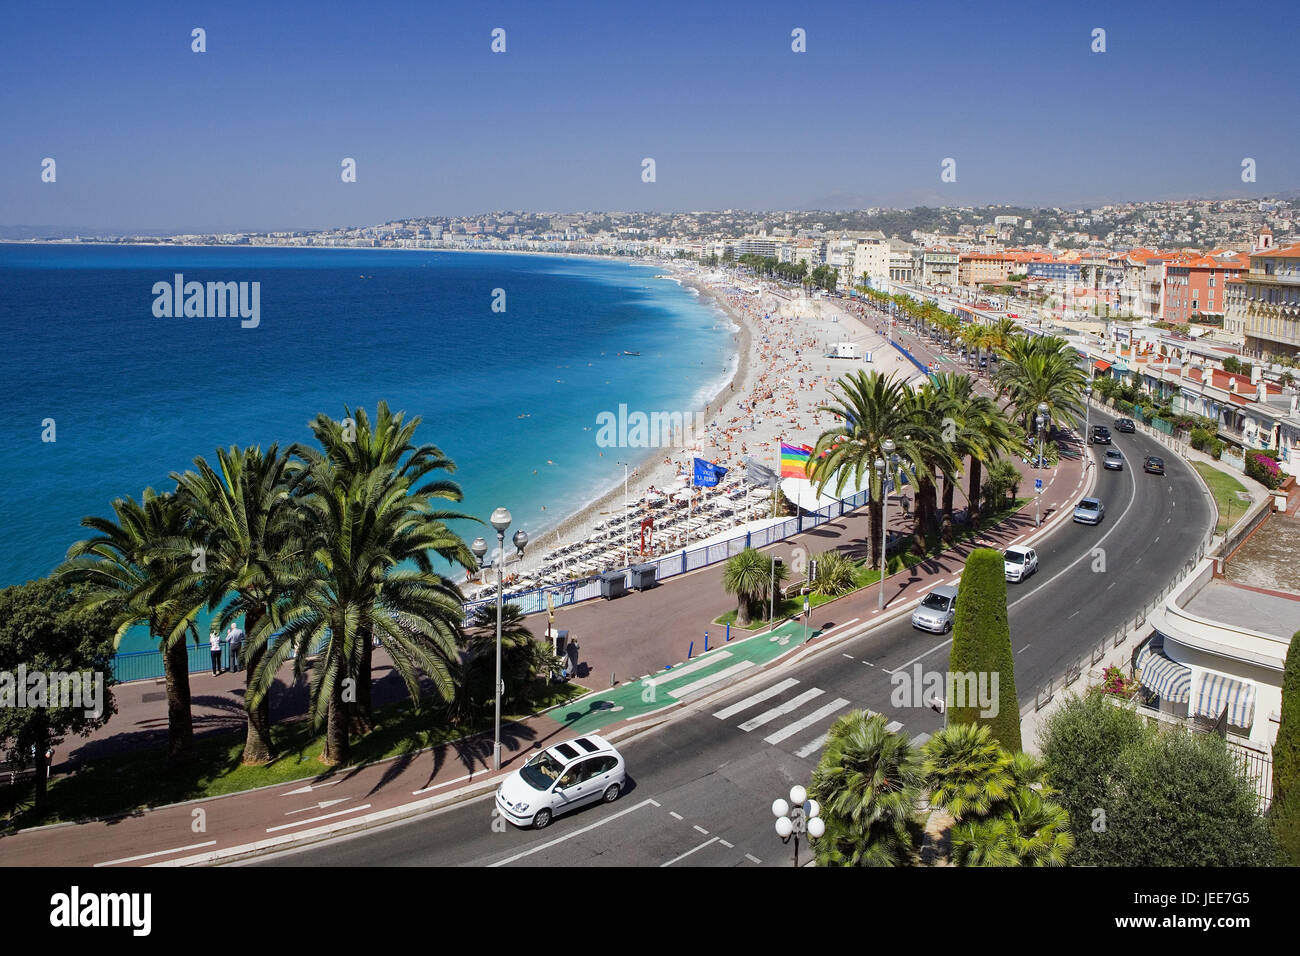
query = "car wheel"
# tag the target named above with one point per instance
(612, 792)
(542, 820)
(947, 626)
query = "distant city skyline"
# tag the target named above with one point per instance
(251, 134)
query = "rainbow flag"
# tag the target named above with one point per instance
(794, 460)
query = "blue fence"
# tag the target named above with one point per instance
(914, 360)
(148, 665)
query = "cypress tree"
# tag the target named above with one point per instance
(981, 644)
(1286, 759)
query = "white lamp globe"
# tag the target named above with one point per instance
(816, 827)
(784, 827)
(780, 808)
(798, 795)
(814, 808)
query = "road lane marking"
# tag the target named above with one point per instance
(811, 748)
(918, 657)
(688, 853)
(821, 713)
(146, 856)
(710, 680)
(729, 846)
(702, 830)
(317, 806)
(758, 698)
(310, 787)
(919, 740)
(753, 859)
(775, 712)
(300, 823)
(439, 786)
(838, 626)
(675, 815)
(647, 802)
(677, 672)
(893, 727)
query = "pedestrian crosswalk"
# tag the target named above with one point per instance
(800, 720)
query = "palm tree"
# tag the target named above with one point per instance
(874, 408)
(358, 448)
(1040, 829)
(749, 577)
(978, 431)
(131, 568)
(968, 774)
(523, 659)
(244, 516)
(369, 537)
(868, 783)
(1042, 370)
(931, 442)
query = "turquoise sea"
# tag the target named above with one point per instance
(512, 397)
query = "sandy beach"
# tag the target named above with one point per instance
(781, 377)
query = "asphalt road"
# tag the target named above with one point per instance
(701, 787)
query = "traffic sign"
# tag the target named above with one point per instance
(1038, 484)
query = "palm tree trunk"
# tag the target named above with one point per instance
(949, 488)
(363, 720)
(257, 740)
(40, 739)
(336, 731)
(180, 724)
(873, 532)
(973, 490)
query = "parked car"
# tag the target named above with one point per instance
(562, 778)
(1154, 465)
(1100, 435)
(1125, 425)
(935, 612)
(1019, 562)
(1113, 460)
(1089, 511)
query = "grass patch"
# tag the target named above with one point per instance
(136, 781)
(1224, 488)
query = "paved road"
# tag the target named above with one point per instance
(701, 787)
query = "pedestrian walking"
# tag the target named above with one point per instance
(235, 640)
(214, 645)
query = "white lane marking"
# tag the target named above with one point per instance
(918, 657)
(838, 626)
(919, 739)
(701, 829)
(309, 788)
(439, 786)
(688, 853)
(729, 846)
(849, 656)
(710, 680)
(326, 816)
(820, 714)
(674, 814)
(869, 664)
(146, 856)
(753, 859)
(785, 708)
(647, 802)
(317, 806)
(677, 672)
(758, 698)
(812, 747)
(893, 726)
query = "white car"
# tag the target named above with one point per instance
(1018, 562)
(562, 778)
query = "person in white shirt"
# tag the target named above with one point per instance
(214, 645)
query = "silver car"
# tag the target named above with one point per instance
(935, 612)
(562, 778)
(1113, 460)
(1089, 511)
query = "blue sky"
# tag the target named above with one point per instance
(250, 134)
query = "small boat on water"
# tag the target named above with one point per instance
(631, 353)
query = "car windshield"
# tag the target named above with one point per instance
(542, 771)
(935, 602)
(1112, 454)
(1157, 461)
(1013, 558)
(1088, 505)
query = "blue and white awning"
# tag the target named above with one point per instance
(1160, 675)
(1219, 692)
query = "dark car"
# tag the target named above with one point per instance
(1100, 435)
(1154, 465)
(1125, 425)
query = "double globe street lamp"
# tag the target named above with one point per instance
(798, 817)
(887, 447)
(500, 520)
(1038, 463)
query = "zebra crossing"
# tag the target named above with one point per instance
(824, 712)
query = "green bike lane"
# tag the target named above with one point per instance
(701, 674)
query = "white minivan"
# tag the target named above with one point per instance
(562, 778)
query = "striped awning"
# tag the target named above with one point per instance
(1219, 692)
(1160, 675)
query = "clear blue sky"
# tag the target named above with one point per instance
(250, 134)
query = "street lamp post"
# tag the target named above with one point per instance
(1087, 433)
(500, 520)
(628, 530)
(887, 447)
(798, 817)
(1042, 422)
(771, 597)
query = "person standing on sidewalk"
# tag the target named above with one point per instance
(235, 639)
(214, 645)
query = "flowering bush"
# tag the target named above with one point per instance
(1114, 682)
(1263, 469)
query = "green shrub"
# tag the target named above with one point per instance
(1286, 759)
(1263, 469)
(981, 644)
(835, 574)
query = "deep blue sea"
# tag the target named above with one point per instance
(135, 397)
